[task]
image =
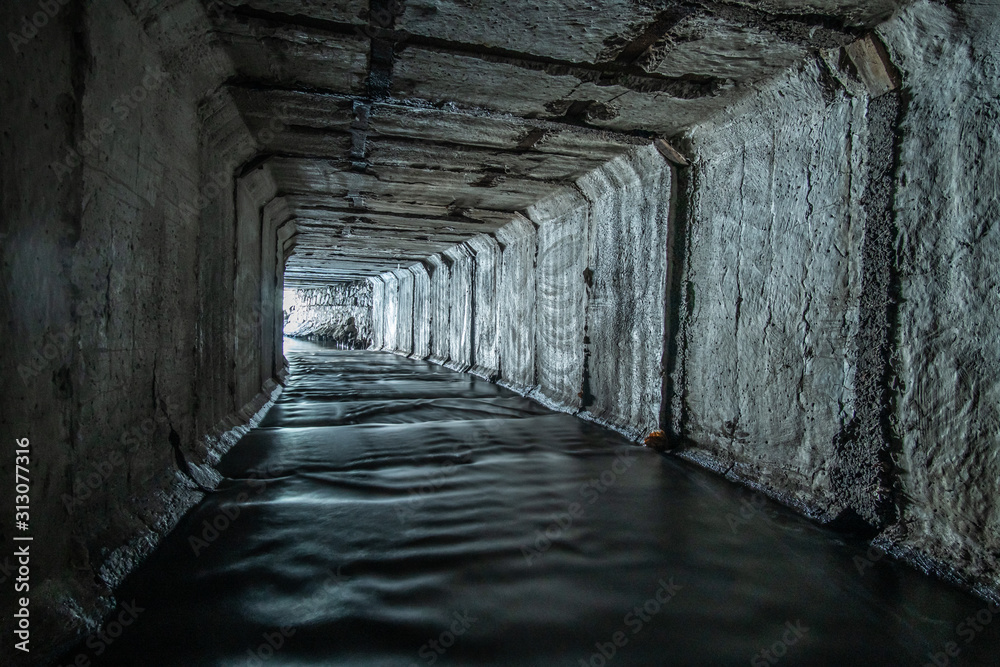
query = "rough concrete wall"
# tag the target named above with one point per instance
(630, 199)
(276, 226)
(840, 296)
(560, 295)
(339, 312)
(269, 315)
(460, 286)
(246, 285)
(390, 334)
(862, 478)
(485, 353)
(946, 208)
(440, 309)
(515, 304)
(772, 284)
(378, 313)
(421, 311)
(43, 368)
(284, 247)
(101, 297)
(225, 144)
(404, 311)
(93, 251)
(254, 363)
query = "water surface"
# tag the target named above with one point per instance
(393, 512)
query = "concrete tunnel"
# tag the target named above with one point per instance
(759, 238)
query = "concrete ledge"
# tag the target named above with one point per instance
(632, 433)
(747, 477)
(523, 390)
(981, 584)
(457, 366)
(489, 374)
(163, 510)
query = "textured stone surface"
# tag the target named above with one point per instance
(440, 309)
(392, 326)
(516, 303)
(772, 285)
(836, 310)
(115, 367)
(341, 313)
(560, 295)
(379, 311)
(461, 274)
(563, 29)
(596, 264)
(421, 311)
(630, 199)
(254, 290)
(404, 312)
(946, 209)
(486, 360)
(868, 442)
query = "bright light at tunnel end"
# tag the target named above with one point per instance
(289, 302)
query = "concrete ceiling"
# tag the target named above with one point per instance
(396, 129)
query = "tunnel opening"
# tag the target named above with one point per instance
(340, 313)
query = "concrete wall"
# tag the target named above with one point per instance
(439, 309)
(421, 311)
(404, 311)
(341, 312)
(379, 312)
(117, 365)
(515, 302)
(390, 331)
(486, 360)
(253, 287)
(947, 206)
(571, 313)
(630, 204)
(277, 239)
(839, 295)
(561, 295)
(774, 234)
(462, 271)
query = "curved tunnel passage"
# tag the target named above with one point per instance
(393, 512)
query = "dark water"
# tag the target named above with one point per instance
(392, 512)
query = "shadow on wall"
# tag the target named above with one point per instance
(339, 313)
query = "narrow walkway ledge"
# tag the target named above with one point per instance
(393, 512)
